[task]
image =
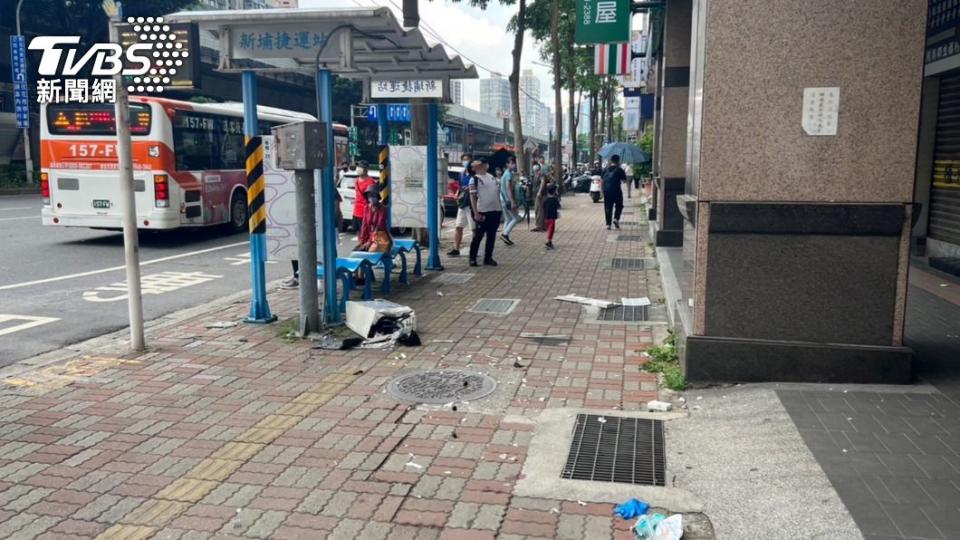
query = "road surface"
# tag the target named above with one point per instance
(59, 286)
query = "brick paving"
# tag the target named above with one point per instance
(238, 433)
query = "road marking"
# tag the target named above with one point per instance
(30, 322)
(151, 284)
(115, 268)
(16, 218)
(19, 208)
(242, 258)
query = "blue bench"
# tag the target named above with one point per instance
(346, 267)
(377, 259)
(406, 245)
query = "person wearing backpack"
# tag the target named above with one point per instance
(464, 213)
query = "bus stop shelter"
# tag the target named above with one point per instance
(366, 44)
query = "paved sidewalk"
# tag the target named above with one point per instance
(237, 433)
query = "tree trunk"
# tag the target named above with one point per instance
(515, 89)
(557, 95)
(593, 126)
(610, 113)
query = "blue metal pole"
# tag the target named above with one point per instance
(328, 200)
(256, 215)
(384, 141)
(433, 196)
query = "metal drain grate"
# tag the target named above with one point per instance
(616, 449)
(631, 238)
(633, 264)
(454, 278)
(625, 313)
(441, 386)
(494, 306)
(629, 223)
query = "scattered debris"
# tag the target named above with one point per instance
(222, 324)
(538, 335)
(646, 526)
(602, 420)
(517, 364)
(659, 406)
(358, 372)
(631, 509)
(441, 341)
(414, 465)
(382, 322)
(586, 301)
(581, 503)
(439, 293)
(641, 301)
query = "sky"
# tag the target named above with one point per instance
(480, 35)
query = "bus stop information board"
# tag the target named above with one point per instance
(602, 21)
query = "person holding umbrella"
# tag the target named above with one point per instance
(613, 178)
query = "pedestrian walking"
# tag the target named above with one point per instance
(509, 201)
(540, 187)
(364, 181)
(551, 213)
(485, 201)
(464, 213)
(613, 179)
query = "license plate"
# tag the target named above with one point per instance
(102, 203)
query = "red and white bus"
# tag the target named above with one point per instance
(188, 160)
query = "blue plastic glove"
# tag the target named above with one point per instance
(631, 509)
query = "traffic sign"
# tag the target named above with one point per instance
(396, 112)
(602, 21)
(18, 64)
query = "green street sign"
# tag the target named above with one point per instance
(353, 149)
(602, 21)
(352, 132)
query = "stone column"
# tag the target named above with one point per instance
(674, 80)
(801, 241)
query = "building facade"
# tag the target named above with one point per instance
(456, 91)
(495, 96)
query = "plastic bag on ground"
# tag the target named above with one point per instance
(669, 529)
(631, 509)
(646, 525)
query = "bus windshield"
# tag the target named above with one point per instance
(94, 119)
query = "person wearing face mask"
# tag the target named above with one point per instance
(364, 181)
(464, 213)
(507, 190)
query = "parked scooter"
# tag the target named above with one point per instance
(595, 191)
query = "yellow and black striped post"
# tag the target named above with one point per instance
(385, 181)
(256, 207)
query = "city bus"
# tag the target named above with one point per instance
(188, 161)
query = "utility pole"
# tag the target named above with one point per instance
(27, 151)
(131, 248)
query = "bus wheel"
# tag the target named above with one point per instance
(238, 211)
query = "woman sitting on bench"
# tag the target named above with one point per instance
(374, 234)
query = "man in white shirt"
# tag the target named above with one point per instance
(485, 202)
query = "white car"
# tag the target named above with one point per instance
(347, 189)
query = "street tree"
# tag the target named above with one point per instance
(518, 27)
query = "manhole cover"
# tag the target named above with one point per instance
(454, 279)
(441, 386)
(633, 264)
(630, 238)
(494, 306)
(616, 449)
(624, 313)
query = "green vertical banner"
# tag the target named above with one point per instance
(602, 21)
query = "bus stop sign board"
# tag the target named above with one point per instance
(602, 21)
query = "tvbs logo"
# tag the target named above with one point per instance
(149, 61)
(106, 59)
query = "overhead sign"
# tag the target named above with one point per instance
(417, 88)
(176, 60)
(18, 63)
(602, 21)
(396, 112)
(285, 40)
